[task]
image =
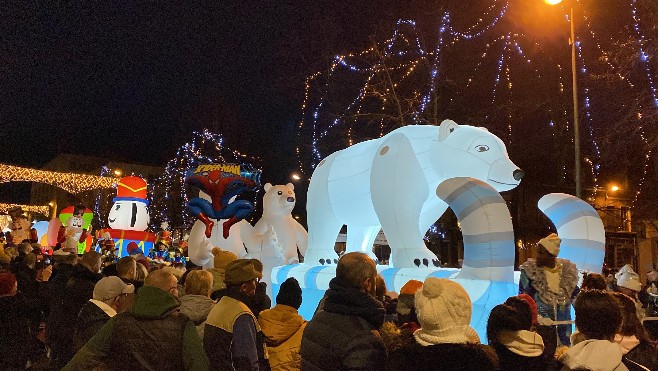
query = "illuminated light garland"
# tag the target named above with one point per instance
(44, 210)
(205, 147)
(361, 102)
(469, 34)
(70, 182)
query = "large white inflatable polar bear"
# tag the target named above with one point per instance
(278, 202)
(390, 183)
(243, 238)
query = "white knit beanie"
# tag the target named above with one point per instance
(551, 243)
(444, 312)
(626, 277)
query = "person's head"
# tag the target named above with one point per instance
(598, 315)
(114, 292)
(359, 271)
(407, 299)
(142, 272)
(221, 258)
(31, 260)
(8, 284)
(628, 282)
(380, 288)
(531, 304)
(24, 248)
(515, 316)
(198, 282)
(631, 324)
(241, 276)
(163, 280)
(290, 293)
(258, 266)
(593, 281)
(92, 260)
(444, 311)
(127, 268)
(547, 250)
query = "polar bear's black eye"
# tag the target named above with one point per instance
(482, 148)
(279, 193)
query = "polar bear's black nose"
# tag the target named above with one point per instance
(291, 199)
(518, 174)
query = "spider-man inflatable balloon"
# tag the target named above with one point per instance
(223, 183)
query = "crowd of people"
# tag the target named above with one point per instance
(75, 314)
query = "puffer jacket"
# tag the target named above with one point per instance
(196, 307)
(344, 334)
(283, 328)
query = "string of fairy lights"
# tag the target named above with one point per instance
(169, 194)
(409, 62)
(70, 182)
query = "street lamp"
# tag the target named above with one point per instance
(295, 177)
(118, 172)
(576, 126)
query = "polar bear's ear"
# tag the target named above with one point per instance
(291, 186)
(446, 127)
(267, 186)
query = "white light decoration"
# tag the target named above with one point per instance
(44, 210)
(390, 183)
(70, 182)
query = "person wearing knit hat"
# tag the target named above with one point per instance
(15, 325)
(221, 259)
(233, 338)
(444, 312)
(628, 282)
(406, 304)
(260, 301)
(552, 283)
(283, 327)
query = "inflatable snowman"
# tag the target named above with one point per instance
(129, 217)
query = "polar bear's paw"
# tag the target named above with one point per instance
(416, 258)
(320, 257)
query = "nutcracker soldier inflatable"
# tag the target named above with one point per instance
(129, 217)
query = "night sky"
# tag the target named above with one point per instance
(130, 80)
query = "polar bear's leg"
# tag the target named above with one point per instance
(323, 225)
(432, 211)
(399, 190)
(361, 239)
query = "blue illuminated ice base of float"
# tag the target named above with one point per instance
(314, 281)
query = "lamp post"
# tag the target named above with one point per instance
(574, 85)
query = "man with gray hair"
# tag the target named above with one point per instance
(111, 296)
(153, 335)
(343, 335)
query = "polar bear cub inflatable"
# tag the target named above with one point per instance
(390, 184)
(278, 203)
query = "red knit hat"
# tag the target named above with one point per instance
(411, 287)
(533, 305)
(7, 282)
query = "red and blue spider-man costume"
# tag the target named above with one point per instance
(220, 189)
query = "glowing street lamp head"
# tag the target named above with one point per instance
(552, 2)
(614, 188)
(295, 177)
(118, 172)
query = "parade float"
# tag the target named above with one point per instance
(402, 183)
(129, 217)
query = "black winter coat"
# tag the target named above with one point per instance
(89, 321)
(644, 354)
(344, 334)
(448, 357)
(14, 332)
